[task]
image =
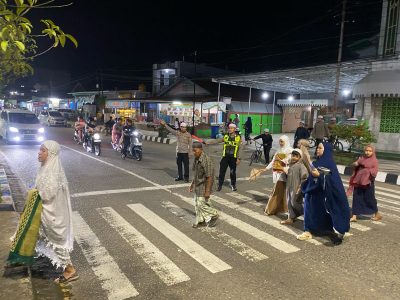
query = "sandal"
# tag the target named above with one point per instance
(304, 236)
(353, 218)
(287, 222)
(377, 217)
(62, 279)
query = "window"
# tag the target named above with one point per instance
(55, 114)
(23, 118)
(390, 117)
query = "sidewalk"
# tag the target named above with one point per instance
(15, 283)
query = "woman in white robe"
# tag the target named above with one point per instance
(277, 201)
(55, 233)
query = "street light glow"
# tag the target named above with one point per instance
(346, 92)
(265, 95)
(290, 98)
(177, 102)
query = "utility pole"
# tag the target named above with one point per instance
(194, 88)
(339, 60)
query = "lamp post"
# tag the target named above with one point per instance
(194, 89)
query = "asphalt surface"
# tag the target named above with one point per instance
(134, 238)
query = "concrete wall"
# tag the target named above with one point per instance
(370, 109)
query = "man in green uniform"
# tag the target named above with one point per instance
(230, 155)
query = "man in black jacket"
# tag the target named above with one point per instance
(267, 143)
(301, 133)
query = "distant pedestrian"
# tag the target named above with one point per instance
(296, 176)
(248, 129)
(267, 143)
(202, 186)
(236, 120)
(301, 133)
(319, 132)
(362, 185)
(183, 149)
(277, 200)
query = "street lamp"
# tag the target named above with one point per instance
(346, 92)
(265, 96)
(290, 98)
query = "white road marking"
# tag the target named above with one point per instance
(253, 231)
(245, 199)
(379, 188)
(257, 216)
(197, 252)
(359, 227)
(168, 272)
(112, 280)
(257, 193)
(229, 241)
(121, 191)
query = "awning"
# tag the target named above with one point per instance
(303, 102)
(379, 84)
(316, 79)
(255, 107)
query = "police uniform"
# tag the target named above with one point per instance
(230, 155)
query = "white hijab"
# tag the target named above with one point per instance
(286, 147)
(52, 185)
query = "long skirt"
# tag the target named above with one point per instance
(204, 210)
(24, 242)
(364, 201)
(277, 202)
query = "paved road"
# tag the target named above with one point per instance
(134, 239)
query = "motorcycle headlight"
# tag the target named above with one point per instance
(96, 136)
(13, 129)
(135, 133)
(41, 130)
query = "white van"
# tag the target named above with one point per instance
(20, 126)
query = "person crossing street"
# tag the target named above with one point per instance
(183, 148)
(230, 155)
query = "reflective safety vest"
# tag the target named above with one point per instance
(231, 145)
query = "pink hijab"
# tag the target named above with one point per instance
(366, 170)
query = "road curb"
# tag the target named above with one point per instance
(156, 139)
(6, 201)
(381, 177)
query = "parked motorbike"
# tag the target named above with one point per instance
(134, 150)
(92, 143)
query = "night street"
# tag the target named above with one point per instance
(133, 235)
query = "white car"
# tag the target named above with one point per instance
(52, 118)
(20, 126)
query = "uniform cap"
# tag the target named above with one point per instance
(320, 117)
(232, 125)
(266, 130)
(183, 124)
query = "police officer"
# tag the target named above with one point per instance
(230, 155)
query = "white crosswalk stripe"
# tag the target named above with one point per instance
(260, 217)
(101, 262)
(254, 232)
(168, 272)
(229, 241)
(246, 199)
(193, 249)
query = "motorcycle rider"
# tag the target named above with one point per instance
(126, 136)
(79, 126)
(116, 131)
(89, 129)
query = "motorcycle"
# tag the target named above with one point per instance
(77, 137)
(92, 143)
(135, 146)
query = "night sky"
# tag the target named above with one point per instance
(126, 37)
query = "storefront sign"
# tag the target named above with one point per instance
(117, 104)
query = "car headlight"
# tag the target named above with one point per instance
(96, 136)
(13, 129)
(41, 130)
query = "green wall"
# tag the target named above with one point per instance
(264, 119)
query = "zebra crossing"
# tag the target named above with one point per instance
(248, 218)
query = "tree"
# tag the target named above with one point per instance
(356, 135)
(19, 37)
